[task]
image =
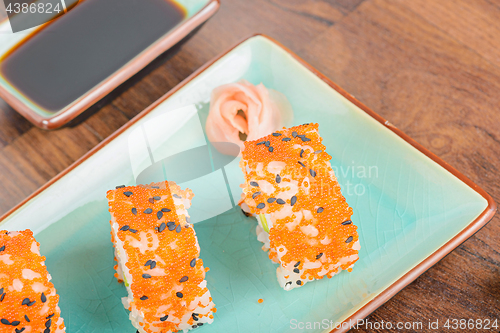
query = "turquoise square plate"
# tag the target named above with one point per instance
(411, 208)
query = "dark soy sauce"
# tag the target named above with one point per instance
(70, 56)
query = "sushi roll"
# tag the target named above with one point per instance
(303, 219)
(28, 301)
(158, 258)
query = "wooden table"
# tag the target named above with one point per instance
(430, 67)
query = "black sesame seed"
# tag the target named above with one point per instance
(155, 187)
(296, 270)
(15, 323)
(195, 318)
(271, 149)
(254, 184)
(153, 264)
(267, 143)
(280, 201)
(25, 301)
(179, 228)
(52, 315)
(312, 172)
(20, 330)
(146, 276)
(148, 262)
(183, 279)
(288, 283)
(151, 200)
(43, 298)
(318, 151)
(2, 297)
(162, 227)
(299, 282)
(165, 210)
(159, 214)
(125, 228)
(31, 303)
(200, 324)
(293, 200)
(278, 179)
(286, 139)
(348, 240)
(164, 318)
(194, 326)
(120, 186)
(320, 210)
(157, 198)
(319, 255)
(179, 294)
(143, 298)
(297, 264)
(134, 211)
(346, 222)
(271, 200)
(128, 193)
(177, 196)
(301, 152)
(294, 134)
(261, 143)
(47, 330)
(188, 219)
(255, 195)
(261, 205)
(304, 139)
(27, 318)
(1, 290)
(148, 211)
(4, 321)
(48, 323)
(132, 230)
(171, 226)
(276, 134)
(303, 165)
(193, 262)
(2, 248)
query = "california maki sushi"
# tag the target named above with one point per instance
(303, 219)
(28, 300)
(158, 258)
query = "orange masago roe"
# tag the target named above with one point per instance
(304, 220)
(158, 258)
(28, 301)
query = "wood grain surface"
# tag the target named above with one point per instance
(432, 68)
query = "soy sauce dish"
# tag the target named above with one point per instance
(52, 73)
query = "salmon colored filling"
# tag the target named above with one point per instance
(320, 191)
(175, 263)
(21, 270)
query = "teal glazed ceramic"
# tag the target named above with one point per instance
(196, 13)
(410, 207)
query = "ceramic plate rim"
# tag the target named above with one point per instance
(400, 283)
